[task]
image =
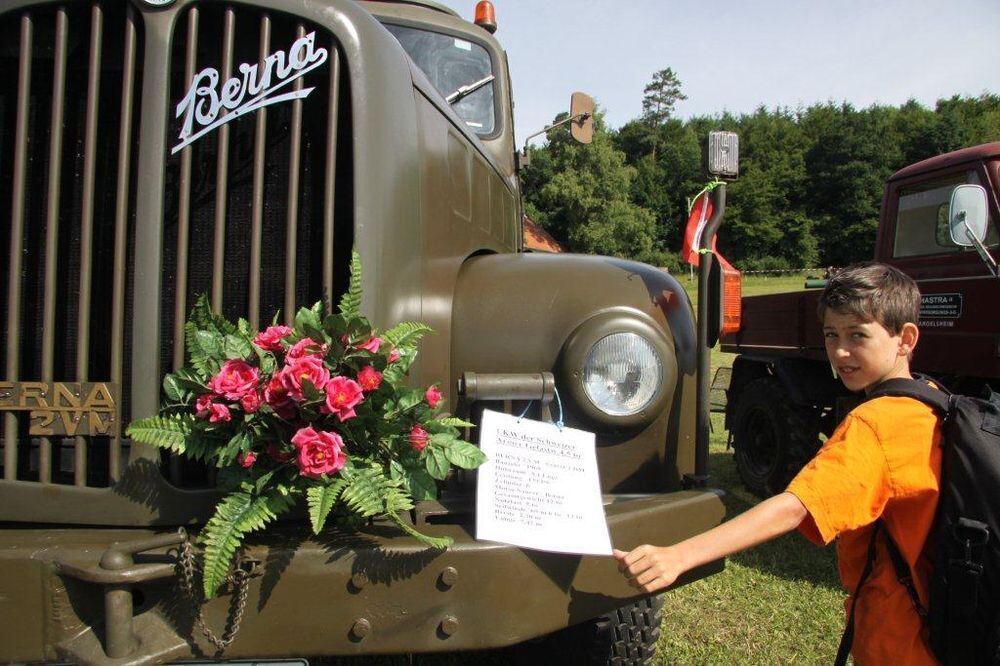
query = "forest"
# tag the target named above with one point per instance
(808, 194)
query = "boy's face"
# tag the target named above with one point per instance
(864, 353)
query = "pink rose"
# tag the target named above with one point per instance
(319, 452)
(275, 452)
(342, 395)
(250, 402)
(372, 344)
(247, 460)
(270, 338)
(418, 438)
(304, 368)
(369, 378)
(432, 396)
(219, 413)
(235, 380)
(276, 396)
(393, 355)
(305, 347)
(203, 406)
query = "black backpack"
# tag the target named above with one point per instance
(963, 615)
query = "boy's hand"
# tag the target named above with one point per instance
(648, 568)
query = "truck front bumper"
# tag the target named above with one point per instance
(372, 591)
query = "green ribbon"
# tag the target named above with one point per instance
(708, 188)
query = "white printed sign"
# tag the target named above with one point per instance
(539, 488)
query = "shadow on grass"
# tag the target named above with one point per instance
(792, 556)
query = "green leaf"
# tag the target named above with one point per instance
(465, 455)
(420, 484)
(174, 389)
(238, 443)
(454, 422)
(350, 302)
(235, 516)
(175, 432)
(406, 333)
(440, 543)
(206, 352)
(321, 500)
(370, 492)
(437, 463)
(310, 324)
(236, 347)
(410, 399)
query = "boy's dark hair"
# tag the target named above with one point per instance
(873, 292)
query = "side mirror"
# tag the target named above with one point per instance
(967, 216)
(581, 125)
(581, 112)
(723, 154)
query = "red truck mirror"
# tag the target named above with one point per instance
(967, 220)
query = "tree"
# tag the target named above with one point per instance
(660, 95)
(581, 195)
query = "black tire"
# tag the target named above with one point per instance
(773, 439)
(625, 637)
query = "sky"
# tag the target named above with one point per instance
(735, 56)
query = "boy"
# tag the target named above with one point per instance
(882, 462)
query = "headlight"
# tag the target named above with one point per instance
(622, 374)
(619, 369)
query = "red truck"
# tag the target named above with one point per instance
(939, 225)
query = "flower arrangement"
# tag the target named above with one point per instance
(317, 410)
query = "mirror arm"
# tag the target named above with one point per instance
(981, 249)
(581, 117)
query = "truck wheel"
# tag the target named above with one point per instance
(625, 637)
(772, 439)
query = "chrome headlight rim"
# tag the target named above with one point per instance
(582, 342)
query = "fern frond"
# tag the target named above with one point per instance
(366, 491)
(440, 543)
(350, 302)
(205, 319)
(321, 500)
(235, 516)
(175, 432)
(406, 333)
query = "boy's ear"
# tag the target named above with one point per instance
(908, 337)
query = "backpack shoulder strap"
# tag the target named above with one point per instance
(918, 389)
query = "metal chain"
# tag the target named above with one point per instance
(238, 579)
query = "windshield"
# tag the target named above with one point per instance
(459, 69)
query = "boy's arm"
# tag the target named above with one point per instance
(652, 568)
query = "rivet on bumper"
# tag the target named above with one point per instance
(449, 576)
(359, 580)
(449, 625)
(361, 628)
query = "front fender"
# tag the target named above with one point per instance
(514, 314)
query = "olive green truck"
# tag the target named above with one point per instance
(155, 150)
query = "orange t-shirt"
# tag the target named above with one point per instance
(883, 461)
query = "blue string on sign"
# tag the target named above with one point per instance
(559, 423)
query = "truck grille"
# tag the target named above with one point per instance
(256, 213)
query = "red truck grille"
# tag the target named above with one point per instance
(256, 213)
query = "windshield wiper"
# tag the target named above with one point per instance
(465, 91)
